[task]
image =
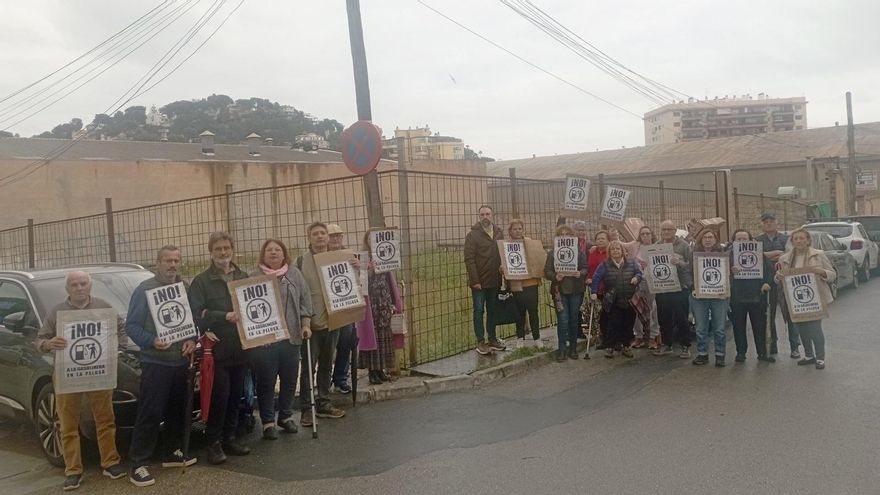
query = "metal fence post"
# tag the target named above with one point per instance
(601, 180)
(736, 207)
(702, 200)
(111, 230)
(31, 248)
(229, 209)
(514, 203)
(763, 209)
(784, 214)
(662, 202)
(406, 247)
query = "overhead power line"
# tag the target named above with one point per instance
(532, 64)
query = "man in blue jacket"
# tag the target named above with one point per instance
(163, 377)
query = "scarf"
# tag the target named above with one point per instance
(278, 273)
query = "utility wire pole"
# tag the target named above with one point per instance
(851, 148)
(365, 112)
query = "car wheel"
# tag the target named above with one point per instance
(835, 288)
(865, 272)
(855, 277)
(48, 426)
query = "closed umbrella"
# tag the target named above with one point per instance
(206, 376)
(354, 369)
(188, 406)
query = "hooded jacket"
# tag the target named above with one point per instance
(815, 258)
(481, 257)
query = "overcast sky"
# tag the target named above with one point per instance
(425, 70)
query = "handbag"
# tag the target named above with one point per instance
(398, 324)
(506, 310)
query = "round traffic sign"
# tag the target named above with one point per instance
(361, 147)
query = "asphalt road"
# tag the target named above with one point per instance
(646, 425)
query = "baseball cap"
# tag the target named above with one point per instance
(767, 216)
(334, 229)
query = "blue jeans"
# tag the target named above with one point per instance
(484, 298)
(344, 348)
(567, 321)
(710, 316)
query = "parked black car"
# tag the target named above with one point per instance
(26, 374)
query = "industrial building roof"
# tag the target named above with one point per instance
(733, 152)
(40, 148)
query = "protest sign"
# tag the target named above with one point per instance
(385, 247)
(88, 363)
(172, 317)
(802, 294)
(565, 255)
(711, 276)
(614, 205)
(343, 298)
(536, 257)
(257, 301)
(748, 260)
(661, 272)
(514, 264)
(577, 192)
(363, 258)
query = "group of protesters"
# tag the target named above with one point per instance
(609, 293)
(164, 365)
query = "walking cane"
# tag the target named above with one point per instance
(767, 324)
(589, 328)
(312, 388)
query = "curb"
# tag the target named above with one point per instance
(411, 389)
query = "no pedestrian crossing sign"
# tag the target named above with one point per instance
(361, 147)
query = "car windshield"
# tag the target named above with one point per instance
(835, 231)
(115, 288)
(870, 223)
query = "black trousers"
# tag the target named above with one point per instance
(162, 396)
(813, 337)
(756, 313)
(620, 326)
(323, 346)
(225, 398)
(271, 363)
(527, 302)
(672, 315)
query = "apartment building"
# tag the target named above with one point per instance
(724, 117)
(423, 145)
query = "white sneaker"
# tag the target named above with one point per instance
(538, 344)
(520, 343)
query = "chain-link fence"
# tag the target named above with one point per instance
(790, 214)
(434, 210)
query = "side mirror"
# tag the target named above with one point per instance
(14, 321)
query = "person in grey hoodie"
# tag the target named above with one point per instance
(280, 360)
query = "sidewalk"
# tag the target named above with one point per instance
(464, 371)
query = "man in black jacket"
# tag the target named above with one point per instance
(483, 263)
(210, 300)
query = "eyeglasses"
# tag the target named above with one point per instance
(645, 233)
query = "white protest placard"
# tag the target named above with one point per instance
(88, 362)
(385, 246)
(614, 205)
(802, 295)
(565, 255)
(661, 272)
(577, 192)
(257, 301)
(514, 263)
(363, 258)
(711, 276)
(748, 260)
(172, 317)
(341, 286)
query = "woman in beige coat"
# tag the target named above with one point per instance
(805, 256)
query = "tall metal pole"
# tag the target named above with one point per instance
(851, 148)
(362, 94)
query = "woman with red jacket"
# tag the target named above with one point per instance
(598, 255)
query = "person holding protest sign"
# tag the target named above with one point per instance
(710, 314)
(322, 343)
(620, 278)
(571, 294)
(164, 361)
(525, 292)
(673, 307)
(212, 304)
(646, 330)
(584, 246)
(483, 263)
(748, 300)
(68, 405)
(598, 255)
(774, 246)
(346, 343)
(280, 361)
(805, 256)
(374, 331)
